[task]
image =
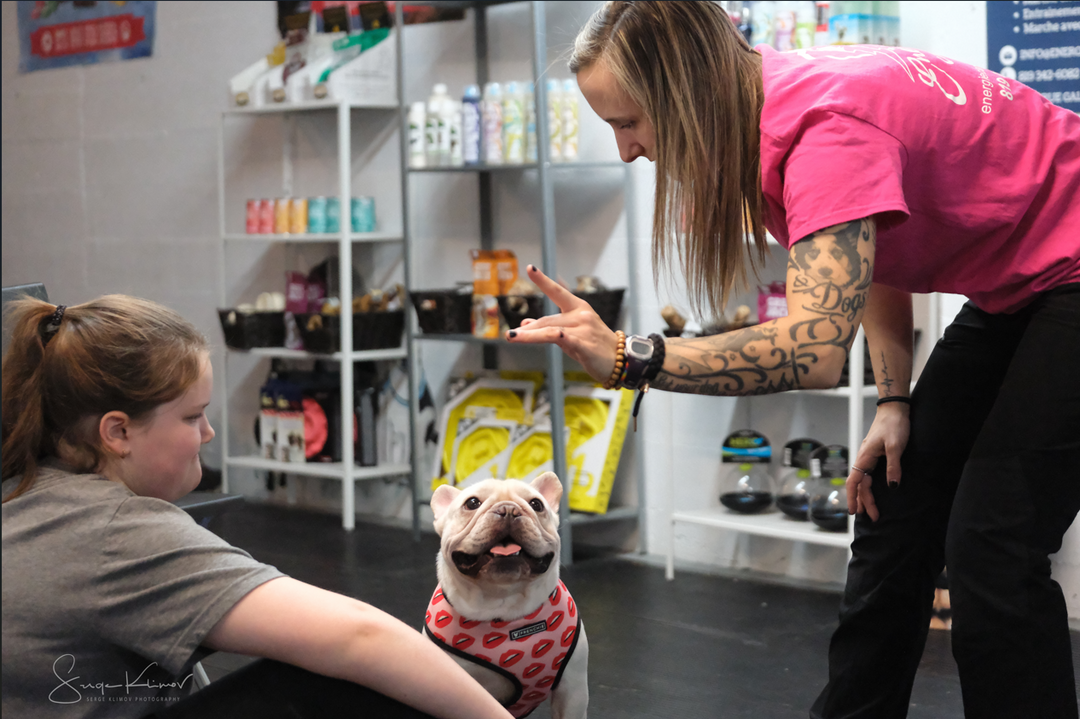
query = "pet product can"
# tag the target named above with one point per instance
(252, 220)
(363, 214)
(316, 215)
(298, 216)
(333, 214)
(281, 216)
(266, 217)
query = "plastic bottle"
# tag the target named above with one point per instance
(456, 120)
(493, 147)
(444, 116)
(471, 126)
(513, 124)
(805, 24)
(530, 123)
(784, 22)
(554, 99)
(417, 122)
(568, 106)
(762, 17)
(431, 130)
(821, 32)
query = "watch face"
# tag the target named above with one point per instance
(640, 348)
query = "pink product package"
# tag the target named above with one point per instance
(772, 302)
(296, 292)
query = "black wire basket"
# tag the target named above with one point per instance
(371, 331)
(246, 330)
(606, 303)
(443, 311)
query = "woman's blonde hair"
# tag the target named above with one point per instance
(699, 83)
(59, 378)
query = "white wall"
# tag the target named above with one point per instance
(110, 185)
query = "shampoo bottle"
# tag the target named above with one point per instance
(554, 97)
(493, 146)
(471, 126)
(568, 104)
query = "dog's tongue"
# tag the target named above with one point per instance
(507, 550)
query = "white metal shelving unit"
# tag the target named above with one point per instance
(773, 523)
(547, 171)
(346, 471)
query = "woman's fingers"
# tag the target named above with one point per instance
(563, 298)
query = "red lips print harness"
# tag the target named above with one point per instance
(531, 651)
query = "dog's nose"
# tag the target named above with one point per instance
(508, 508)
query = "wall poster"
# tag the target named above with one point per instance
(62, 34)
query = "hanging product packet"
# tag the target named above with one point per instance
(485, 303)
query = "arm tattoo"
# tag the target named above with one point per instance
(886, 381)
(829, 277)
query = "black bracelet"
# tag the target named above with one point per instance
(884, 400)
(656, 361)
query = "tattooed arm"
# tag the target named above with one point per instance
(828, 280)
(888, 324)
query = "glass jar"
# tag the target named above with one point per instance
(746, 486)
(793, 499)
(828, 493)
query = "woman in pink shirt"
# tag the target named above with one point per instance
(884, 171)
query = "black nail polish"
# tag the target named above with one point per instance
(513, 334)
(894, 484)
(532, 268)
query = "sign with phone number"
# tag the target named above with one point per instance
(1038, 44)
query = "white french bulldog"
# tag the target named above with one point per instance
(500, 609)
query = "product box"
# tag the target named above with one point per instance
(268, 415)
(290, 424)
(596, 419)
(480, 449)
(486, 398)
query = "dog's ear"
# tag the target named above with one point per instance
(441, 500)
(550, 488)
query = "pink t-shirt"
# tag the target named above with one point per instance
(977, 176)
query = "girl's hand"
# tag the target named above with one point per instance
(578, 330)
(888, 436)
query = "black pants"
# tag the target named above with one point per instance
(991, 482)
(267, 689)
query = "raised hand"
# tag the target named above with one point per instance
(577, 330)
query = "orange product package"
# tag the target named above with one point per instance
(506, 269)
(485, 305)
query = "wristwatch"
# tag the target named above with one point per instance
(639, 353)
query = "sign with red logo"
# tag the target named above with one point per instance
(55, 34)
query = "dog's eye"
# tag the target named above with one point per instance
(472, 503)
(537, 505)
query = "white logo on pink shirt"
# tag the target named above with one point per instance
(923, 64)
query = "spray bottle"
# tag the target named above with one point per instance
(569, 107)
(417, 122)
(554, 100)
(513, 125)
(471, 126)
(493, 146)
(530, 123)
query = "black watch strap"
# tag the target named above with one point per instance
(657, 360)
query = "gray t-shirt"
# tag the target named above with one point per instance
(107, 596)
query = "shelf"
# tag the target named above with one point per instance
(601, 165)
(306, 106)
(393, 353)
(329, 470)
(612, 515)
(316, 237)
(770, 524)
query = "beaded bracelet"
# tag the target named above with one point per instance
(884, 400)
(618, 373)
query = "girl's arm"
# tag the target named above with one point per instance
(339, 637)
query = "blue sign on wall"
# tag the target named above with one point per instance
(1037, 43)
(61, 34)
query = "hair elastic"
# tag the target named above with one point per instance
(54, 323)
(885, 400)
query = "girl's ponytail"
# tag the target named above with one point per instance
(25, 437)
